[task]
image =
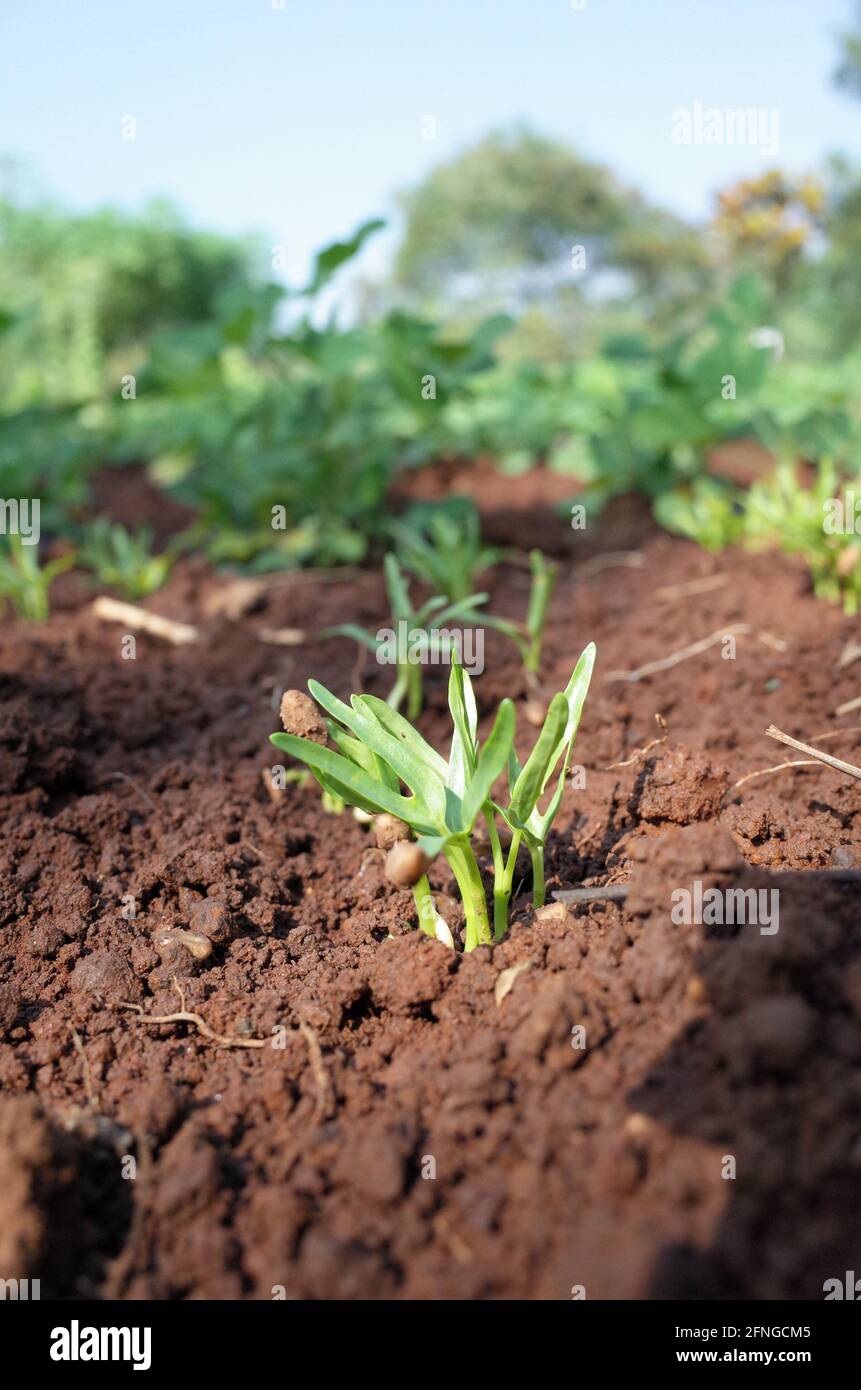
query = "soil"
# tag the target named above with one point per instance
(644, 1110)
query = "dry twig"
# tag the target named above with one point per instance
(88, 1075)
(696, 649)
(141, 620)
(837, 763)
(614, 559)
(324, 1094)
(183, 1016)
(695, 586)
(610, 892)
(641, 752)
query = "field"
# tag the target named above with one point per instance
(430, 744)
(305, 1165)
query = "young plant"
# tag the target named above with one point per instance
(528, 637)
(416, 637)
(24, 583)
(377, 753)
(123, 559)
(780, 510)
(440, 543)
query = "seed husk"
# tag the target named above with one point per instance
(301, 717)
(405, 864)
(389, 831)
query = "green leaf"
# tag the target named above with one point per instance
(350, 782)
(332, 257)
(355, 750)
(491, 761)
(396, 588)
(405, 757)
(532, 779)
(358, 634)
(402, 729)
(461, 702)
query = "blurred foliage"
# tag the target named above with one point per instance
(848, 72)
(496, 229)
(771, 218)
(139, 341)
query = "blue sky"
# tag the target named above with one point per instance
(300, 121)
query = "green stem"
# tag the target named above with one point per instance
(415, 692)
(502, 884)
(537, 855)
(425, 905)
(399, 689)
(465, 869)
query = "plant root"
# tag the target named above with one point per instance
(183, 1016)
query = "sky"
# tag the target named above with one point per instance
(298, 119)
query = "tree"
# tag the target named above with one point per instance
(78, 287)
(520, 218)
(848, 72)
(769, 221)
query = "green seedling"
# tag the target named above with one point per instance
(440, 543)
(779, 509)
(418, 634)
(123, 559)
(528, 637)
(377, 753)
(24, 583)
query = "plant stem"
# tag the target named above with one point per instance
(538, 893)
(465, 869)
(415, 692)
(502, 884)
(425, 905)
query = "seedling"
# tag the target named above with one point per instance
(440, 543)
(528, 637)
(377, 752)
(123, 559)
(426, 639)
(24, 583)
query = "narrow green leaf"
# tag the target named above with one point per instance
(396, 588)
(350, 782)
(358, 634)
(491, 760)
(461, 702)
(530, 783)
(402, 729)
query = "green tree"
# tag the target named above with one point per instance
(499, 224)
(73, 289)
(848, 72)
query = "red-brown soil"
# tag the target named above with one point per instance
(304, 1164)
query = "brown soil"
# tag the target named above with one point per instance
(400, 1133)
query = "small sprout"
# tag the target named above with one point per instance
(428, 626)
(440, 543)
(381, 764)
(388, 830)
(301, 717)
(123, 559)
(528, 637)
(200, 947)
(405, 864)
(24, 583)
